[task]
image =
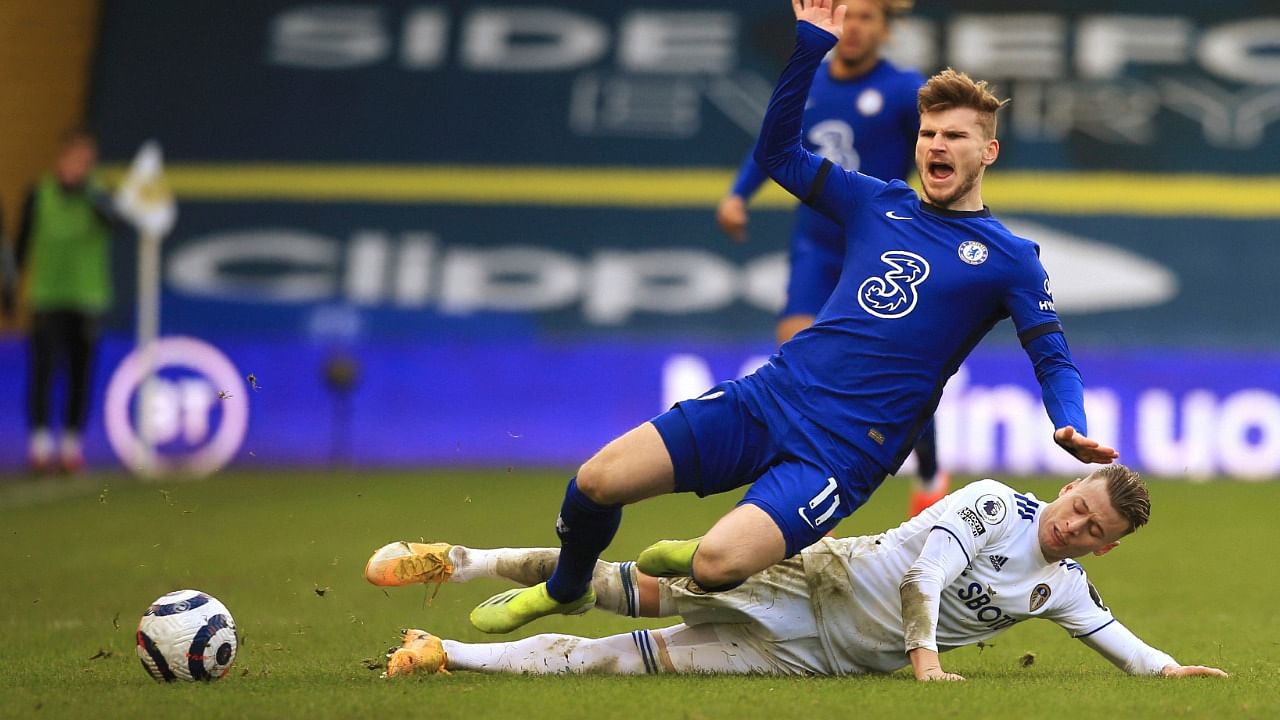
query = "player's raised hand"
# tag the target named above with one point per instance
(731, 216)
(820, 13)
(1084, 449)
(1192, 671)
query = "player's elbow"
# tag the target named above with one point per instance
(913, 579)
(1056, 369)
(760, 157)
(768, 158)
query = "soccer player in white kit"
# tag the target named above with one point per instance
(982, 559)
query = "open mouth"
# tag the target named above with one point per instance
(940, 171)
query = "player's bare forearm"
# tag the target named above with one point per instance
(928, 666)
(1084, 449)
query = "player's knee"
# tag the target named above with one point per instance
(597, 480)
(717, 568)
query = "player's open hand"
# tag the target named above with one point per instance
(937, 674)
(1084, 449)
(820, 13)
(1192, 671)
(731, 216)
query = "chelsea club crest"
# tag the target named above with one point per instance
(973, 252)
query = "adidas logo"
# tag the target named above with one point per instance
(1026, 507)
(997, 561)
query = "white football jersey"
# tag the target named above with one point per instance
(853, 582)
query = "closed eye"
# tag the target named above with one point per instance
(1095, 530)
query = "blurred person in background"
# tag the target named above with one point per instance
(8, 274)
(63, 250)
(861, 114)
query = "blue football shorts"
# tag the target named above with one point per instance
(728, 438)
(812, 276)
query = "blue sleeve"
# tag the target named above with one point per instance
(1030, 304)
(1061, 387)
(1027, 297)
(817, 182)
(750, 178)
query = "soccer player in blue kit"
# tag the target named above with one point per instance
(817, 428)
(861, 115)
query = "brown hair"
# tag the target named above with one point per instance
(953, 89)
(1128, 494)
(76, 135)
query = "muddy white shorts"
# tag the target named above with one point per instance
(764, 626)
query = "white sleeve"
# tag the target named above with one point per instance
(1126, 651)
(940, 562)
(979, 515)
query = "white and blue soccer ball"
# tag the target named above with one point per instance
(187, 635)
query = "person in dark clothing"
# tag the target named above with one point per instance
(8, 274)
(63, 249)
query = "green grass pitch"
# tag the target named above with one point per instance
(81, 559)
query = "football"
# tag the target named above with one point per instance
(187, 635)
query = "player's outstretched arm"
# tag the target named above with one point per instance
(1062, 391)
(1192, 671)
(1128, 652)
(1083, 448)
(941, 561)
(779, 150)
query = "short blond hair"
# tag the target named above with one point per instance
(953, 89)
(897, 8)
(892, 9)
(1128, 493)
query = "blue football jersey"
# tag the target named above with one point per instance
(919, 288)
(868, 124)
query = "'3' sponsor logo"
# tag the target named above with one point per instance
(893, 294)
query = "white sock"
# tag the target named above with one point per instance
(70, 444)
(615, 584)
(616, 588)
(523, 566)
(626, 654)
(41, 444)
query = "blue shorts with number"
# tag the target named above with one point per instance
(739, 434)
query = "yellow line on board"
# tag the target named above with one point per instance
(1057, 193)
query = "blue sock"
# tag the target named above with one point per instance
(585, 529)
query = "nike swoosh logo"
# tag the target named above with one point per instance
(891, 216)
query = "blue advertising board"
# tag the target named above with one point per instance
(494, 403)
